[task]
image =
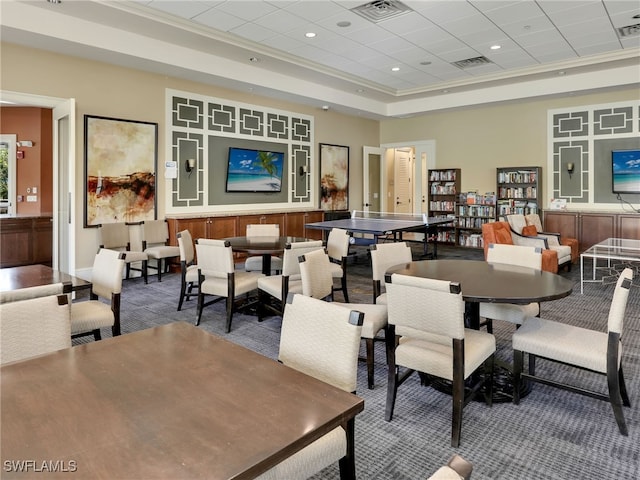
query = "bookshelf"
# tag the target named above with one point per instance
(444, 186)
(472, 211)
(518, 190)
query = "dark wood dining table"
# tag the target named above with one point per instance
(481, 281)
(166, 402)
(25, 276)
(262, 245)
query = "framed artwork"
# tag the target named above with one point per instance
(121, 158)
(334, 177)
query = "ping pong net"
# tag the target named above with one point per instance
(390, 216)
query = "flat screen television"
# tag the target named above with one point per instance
(625, 166)
(254, 170)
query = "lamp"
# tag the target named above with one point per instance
(570, 168)
(189, 165)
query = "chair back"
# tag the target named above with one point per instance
(185, 244)
(387, 255)
(155, 232)
(106, 276)
(519, 255)
(338, 243)
(114, 235)
(619, 301)
(215, 257)
(431, 306)
(321, 339)
(263, 230)
(495, 232)
(315, 273)
(35, 292)
(292, 251)
(534, 219)
(34, 327)
(516, 221)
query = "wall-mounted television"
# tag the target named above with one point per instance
(625, 166)
(254, 170)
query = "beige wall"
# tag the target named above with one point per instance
(106, 90)
(480, 139)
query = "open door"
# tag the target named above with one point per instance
(403, 172)
(372, 179)
(64, 221)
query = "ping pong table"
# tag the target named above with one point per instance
(386, 226)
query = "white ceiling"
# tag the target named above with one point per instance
(548, 47)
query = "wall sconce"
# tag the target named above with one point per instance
(189, 165)
(570, 168)
(302, 170)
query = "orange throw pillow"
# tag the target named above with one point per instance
(529, 231)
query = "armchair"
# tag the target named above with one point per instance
(518, 224)
(501, 233)
(533, 220)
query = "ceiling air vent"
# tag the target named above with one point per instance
(629, 30)
(472, 62)
(380, 10)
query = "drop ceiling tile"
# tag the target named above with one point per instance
(253, 32)
(314, 11)
(441, 11)
(219, 20)
(409, 22)
(282, 42)
(356, 21)
(281, 21)
(246, 9)
(368, 34)
(391, 45)
(181, 9)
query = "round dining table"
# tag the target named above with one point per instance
(262, 245)
(481, 281)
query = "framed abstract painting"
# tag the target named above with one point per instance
(334, 177)
(121, 159)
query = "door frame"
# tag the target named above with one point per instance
(366, 188)
(11, 140)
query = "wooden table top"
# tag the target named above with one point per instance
(484, 282)
(262, 245)
(167, 402)
(25, 276)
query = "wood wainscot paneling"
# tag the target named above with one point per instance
(592, 227)
(26, 241)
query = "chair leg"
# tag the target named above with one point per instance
(159, 270)
(623, 389)
(518, 360)
(128, 269)
(616, 400)
(488, 380)
(96, 335)
(229, 313)
(144, 271)
(199, 308)
(458, 404)
(183, 288)
(489, 325)
(343, 281)
(348, 462)
(369, 343)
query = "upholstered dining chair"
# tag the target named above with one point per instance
(35, 292)
(254, 264)
(533, 220)
(338, 242)
(115, 236)
(34, 326)
(188, 267)
(88, 317)
(322, 340)
(219, 278)
(518, 224)
(501, 233)
(446, 348)
(317, 282)
(155, 243)
(582, 348)
(517, 255)
(457, 468)
(273, 290)
(383, 257)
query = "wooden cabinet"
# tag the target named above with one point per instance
(518, 190)
(592, 227)
(268, 218)
(296, 221)
(26, 241)
(444, 186)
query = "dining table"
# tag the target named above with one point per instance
(266, 246)
(15, 278)
(482, 281)
(167, 402)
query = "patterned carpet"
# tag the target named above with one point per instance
(552, 434)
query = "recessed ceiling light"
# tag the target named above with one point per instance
(395, 69)
(254, 59)
(561, 72)
(343, 24)
(445, 91)
(309, 34)
(495, 47)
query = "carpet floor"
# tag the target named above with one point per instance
(552, 434)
